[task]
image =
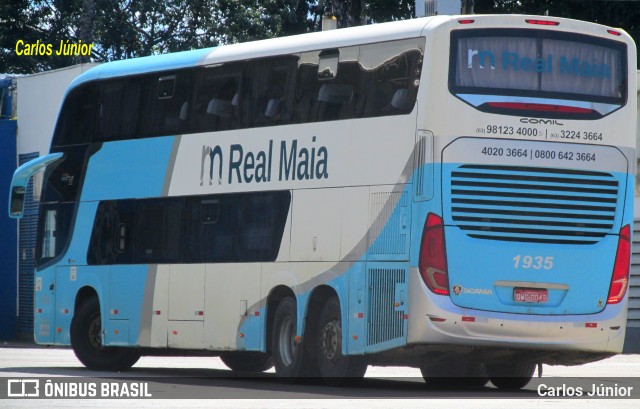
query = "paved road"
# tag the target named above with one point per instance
(207, 383)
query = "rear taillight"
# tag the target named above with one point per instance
(620, 278)
(433, 256)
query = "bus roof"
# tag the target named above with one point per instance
(256, 49)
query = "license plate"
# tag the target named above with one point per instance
(530, 295)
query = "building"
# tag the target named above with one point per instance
(8, 235)
(39, 99)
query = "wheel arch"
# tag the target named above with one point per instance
(316, 301)
(276, 295)
(83, 294)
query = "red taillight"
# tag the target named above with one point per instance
(620, 278)
(543, 22)
(614, 32)
(433, 256)
(466, 21)
(540, 107)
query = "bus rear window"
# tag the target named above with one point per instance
(541, 64)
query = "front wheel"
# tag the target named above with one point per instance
(247, 361)
(86, 341)
(335, 368)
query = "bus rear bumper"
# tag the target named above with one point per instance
(436, 320)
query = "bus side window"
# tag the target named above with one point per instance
(388, 78)
(165, 103)
(255, 227)
(76, 124)
(326, 85)
(54, 225)
(209, 229)
(112, 235)
(119, 107)
(157, 230)
(217, 99)
(270, 91)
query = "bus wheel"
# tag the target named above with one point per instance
(86, 341)
(335, 368)
(455, 375)
(510, 376)
(287, 349)
(247, 361)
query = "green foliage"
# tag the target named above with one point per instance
(133, 28)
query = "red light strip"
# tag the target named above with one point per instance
(466, 21)
(614, 32)
(543, 22)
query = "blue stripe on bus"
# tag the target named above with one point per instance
(128, 169)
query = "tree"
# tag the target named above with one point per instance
(133, 28)
(28, 22)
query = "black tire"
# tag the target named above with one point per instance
(455, 375)
(335, 368)
(288, 355)
(86, 341)
(510, 376)
(247, 361)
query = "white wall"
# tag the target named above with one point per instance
(39, 99)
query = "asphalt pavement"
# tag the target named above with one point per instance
(199, 382)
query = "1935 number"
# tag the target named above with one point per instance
(534, 262)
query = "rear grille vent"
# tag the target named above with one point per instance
(528, 204)
(388, 235)
(385, 322)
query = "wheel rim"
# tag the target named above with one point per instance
(286, 341)
(330, 341)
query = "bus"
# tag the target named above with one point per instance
(451, 193)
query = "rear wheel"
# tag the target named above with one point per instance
(86, 341)
(287, 349)
(455, 374)
(247, 361)
(335, 367)
(510, 376)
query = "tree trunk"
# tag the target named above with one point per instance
(86, 25)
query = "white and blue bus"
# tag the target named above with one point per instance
(448, 193)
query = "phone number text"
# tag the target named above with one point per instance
(539, 154)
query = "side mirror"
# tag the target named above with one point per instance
(16, 201)
(21, 178)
